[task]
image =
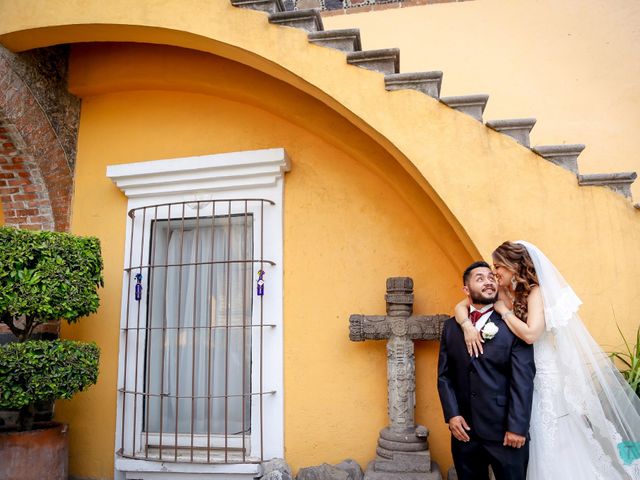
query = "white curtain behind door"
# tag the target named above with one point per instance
(208, 355)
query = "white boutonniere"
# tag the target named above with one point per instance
(489, 330)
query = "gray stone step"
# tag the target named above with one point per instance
(426, 82)
(269, 6)
(517, 128)
(565, 156)
(384, 61)
(347, 40)
(473, 105)
(308, 20)
(618, 182)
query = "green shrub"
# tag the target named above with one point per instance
(42, 371)
(47, 276)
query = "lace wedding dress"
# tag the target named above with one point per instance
(585, 417)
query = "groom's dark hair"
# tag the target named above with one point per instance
(473, 266)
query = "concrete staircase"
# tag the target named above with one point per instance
(387, 62)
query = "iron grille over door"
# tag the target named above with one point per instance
(192, 335)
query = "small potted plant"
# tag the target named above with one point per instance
(629, 361)
(44, 277)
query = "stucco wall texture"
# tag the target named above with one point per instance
(382, 184)
(351, 222)
(571, 64)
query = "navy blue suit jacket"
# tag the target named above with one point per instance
(492, 392)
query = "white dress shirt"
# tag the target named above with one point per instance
(488, 309)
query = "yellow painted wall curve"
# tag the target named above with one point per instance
(382, 184)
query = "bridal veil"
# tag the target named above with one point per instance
(593, 390)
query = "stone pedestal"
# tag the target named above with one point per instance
(403, 456)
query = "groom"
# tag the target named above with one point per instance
(486, 399)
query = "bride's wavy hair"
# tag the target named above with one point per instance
(516, 259)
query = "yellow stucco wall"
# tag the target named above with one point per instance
(382, 184)
(350, 221)
(572, 64)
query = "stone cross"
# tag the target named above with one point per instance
(403, 450)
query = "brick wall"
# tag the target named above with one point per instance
(24, 196)
(38, 136)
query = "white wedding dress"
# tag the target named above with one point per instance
(585, 416)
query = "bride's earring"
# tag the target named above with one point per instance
(513, 282)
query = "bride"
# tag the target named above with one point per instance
(585, 420)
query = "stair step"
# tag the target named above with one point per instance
(473, 105)
(618, 182)
(384, 61)
(426, 82)
(269, 6)
(347, 40)
(565, 156)
(308, 20)
(517, 128)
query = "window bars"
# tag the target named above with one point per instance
(191, 376)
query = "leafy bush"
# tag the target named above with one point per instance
(40, 371)
(47, 276)
(630, 361)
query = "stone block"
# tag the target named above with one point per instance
(333, 4)
(308, 20)
(472, 105)
(414, 435)
(373, 474)
(347, 40)
(399, 284)
(322, 472)
(269, 6)
(352, 468)
(306, 4)
(425, 82)
(517, 128)
(565, 156)
(276, 475)
(402, 446)
(384, 61)
(276, 469)
(402, 462)
(618, 182)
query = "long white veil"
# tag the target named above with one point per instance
(593, 389)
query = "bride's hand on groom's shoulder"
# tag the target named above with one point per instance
(500, 307)
(472, 339)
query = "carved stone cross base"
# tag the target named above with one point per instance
(403, 456)
(403, 451)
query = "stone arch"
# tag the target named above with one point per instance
(452, 154)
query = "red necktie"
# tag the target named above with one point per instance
(476, 314)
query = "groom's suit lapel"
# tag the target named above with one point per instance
(464, 359)
(501, 339)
